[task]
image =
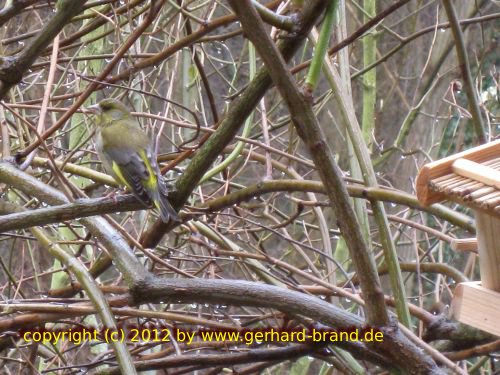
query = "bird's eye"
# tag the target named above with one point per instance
(105, 106)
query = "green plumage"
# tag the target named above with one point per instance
(126, 154)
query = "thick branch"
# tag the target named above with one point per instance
(100, 206)
(245, 293)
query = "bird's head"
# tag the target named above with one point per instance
(109, 110)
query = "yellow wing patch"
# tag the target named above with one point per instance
(119, 175)
(150, 183)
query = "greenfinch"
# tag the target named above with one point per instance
(127, 154)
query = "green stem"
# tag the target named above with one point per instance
(348, 117)
(246, 129)
(95, 294)
(370, 78)
(322, 45)
(463, 60)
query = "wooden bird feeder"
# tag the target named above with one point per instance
(472, 178)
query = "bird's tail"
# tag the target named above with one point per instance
(167, 212)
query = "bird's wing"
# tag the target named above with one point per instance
(134, 170)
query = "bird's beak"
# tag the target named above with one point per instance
(95, 109)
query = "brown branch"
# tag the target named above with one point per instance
(228, 359)
(70, 211)
(13, 9)
(12, 69)
(100, 206)
(476, 351)
(439, 268)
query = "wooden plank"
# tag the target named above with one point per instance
(468, 188)
(442, 167)
(490, 204)
(477, 306)
(488, 228)
(477, 172)
(455, 185)
(479, 201)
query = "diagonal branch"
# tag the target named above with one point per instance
(463, 60)
(229, 126)
(310, 131)
(13, 68)
(409, 356)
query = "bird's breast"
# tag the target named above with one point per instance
(106, 161)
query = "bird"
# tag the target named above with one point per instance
(126, 153)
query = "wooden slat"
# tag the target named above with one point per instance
(493, 163)
(491, 203)
(442, 167)
(469, 188)
(446, 186)
(464, 244)
(481, 200)
(494, 212)
(479, 193)
(444, 178)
